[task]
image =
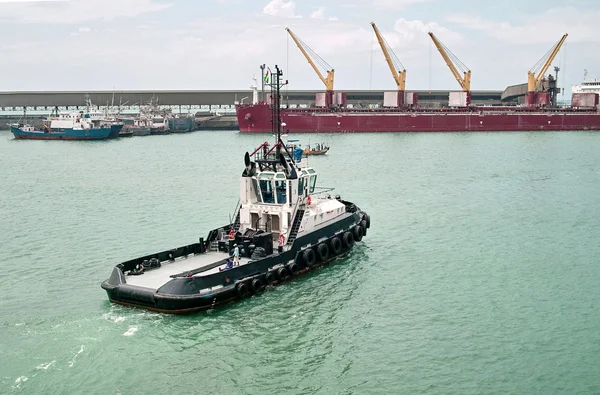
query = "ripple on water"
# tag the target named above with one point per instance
(479, 274)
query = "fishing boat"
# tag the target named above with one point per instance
(159, 125)
(283, 226)
(100, 119)
(181, 123)
(138, 126)
(64, 126)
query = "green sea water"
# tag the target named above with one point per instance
(480, 273)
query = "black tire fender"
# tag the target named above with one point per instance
(309, 257)
(367, 218)
(358, 233)
(242, 290)
(257, 285)
(323, 252)
(270, 277)
(363, 225)
(347, 240)
(335, 245)
(293, 268)
(282, 273)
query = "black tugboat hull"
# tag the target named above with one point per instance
(185, 295)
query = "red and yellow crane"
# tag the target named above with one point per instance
(454, 64)
(312, 58)
(397, 69)
(537, 72)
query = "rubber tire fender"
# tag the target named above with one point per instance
(242, 290)
(357, 231)
(309, 257)
(335, 245)
(363, 225)
(323, 252)
(270, 277)
(282, 273)
(348, 240)
(293, 268)
(367, 218)
(257, 285)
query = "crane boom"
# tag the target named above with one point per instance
(328, 81)
(465, 79)
(399, 75)
(532, 80)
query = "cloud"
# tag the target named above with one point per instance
(84, 30)
(75, 11)
(416, 31)
(319, 13)
(546, 27)
(397, 4)
(281, 8)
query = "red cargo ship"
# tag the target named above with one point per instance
(256, 118)
(400, 112)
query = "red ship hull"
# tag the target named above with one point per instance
(256, 118)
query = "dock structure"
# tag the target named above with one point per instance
(205, 99)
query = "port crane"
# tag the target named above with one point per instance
(537, 72)
(311, 56)
(397, 69)
(454, 64)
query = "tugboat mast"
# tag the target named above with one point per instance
(276, 125)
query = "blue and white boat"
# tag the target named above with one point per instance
(65, 126)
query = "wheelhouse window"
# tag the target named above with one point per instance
(266, 187)
(313, 183)
(281, 190)
(256, 189)
(301, 186)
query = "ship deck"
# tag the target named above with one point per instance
(157, 277)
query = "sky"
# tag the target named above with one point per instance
(220, 44)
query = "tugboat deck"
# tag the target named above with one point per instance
(157, 277)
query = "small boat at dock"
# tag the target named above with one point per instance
(69, 126)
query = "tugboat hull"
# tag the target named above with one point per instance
(190, 291)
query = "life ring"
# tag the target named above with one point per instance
(358, 233)
(242, 290)
(309, 257)
(336, 245)
(347, 240)
(323, 251)
(232, 234)
(281, 239)
(308, 201)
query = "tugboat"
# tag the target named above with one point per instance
(283, 226)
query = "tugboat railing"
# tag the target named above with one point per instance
(321, 193)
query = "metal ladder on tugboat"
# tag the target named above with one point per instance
(236, 221)
(295, 226)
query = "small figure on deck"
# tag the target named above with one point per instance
(236, 255)
(228, 265)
